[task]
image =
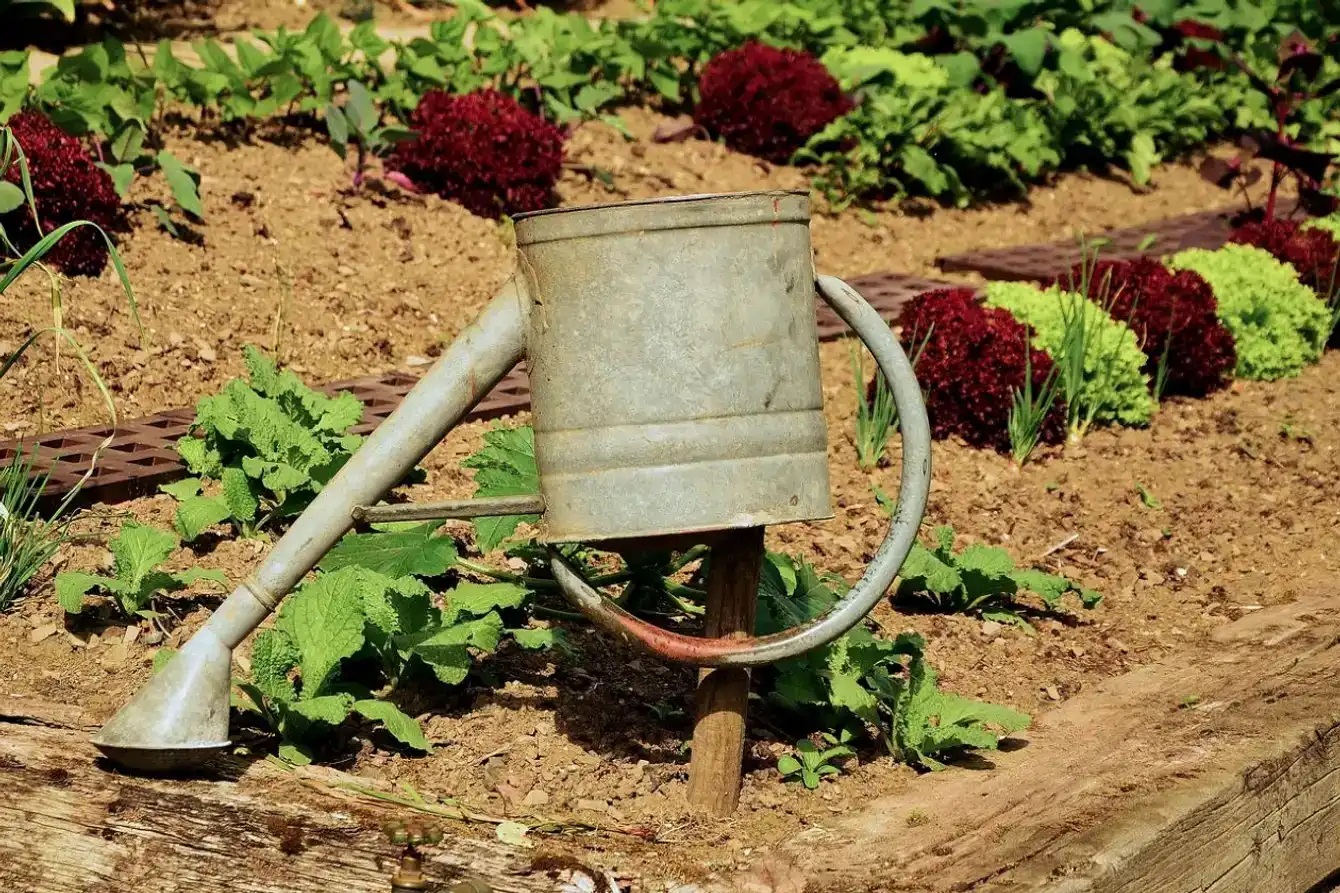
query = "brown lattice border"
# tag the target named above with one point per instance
(142, 454)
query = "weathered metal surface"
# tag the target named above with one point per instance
(675, 373)
(495, 507)
(674, 366)
(879, 575)
(181, 714)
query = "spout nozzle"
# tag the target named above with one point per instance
(179, 719)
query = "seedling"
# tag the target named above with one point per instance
(1290, 430)
(137, 551)
(875, 411)
(981, 580)
(27, 540)
(1029, 411)
(359, 122)
(810, 765)
(1147, 499)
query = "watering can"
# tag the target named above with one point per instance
(675, 392)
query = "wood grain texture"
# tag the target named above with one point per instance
(723, 694)
(1130, 787)
(71, 824)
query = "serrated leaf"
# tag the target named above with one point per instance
(536, 639)
(183, 182)
(478, 599)
(71, 586)
(239, 496)
(199, 457)
(183, 489)
(137, 550)
(404, 729)
(328, 709)
(504, 466)
(924, 571)
(197, 513)
(273, 657)
(988, 561)
(415, 552)
(325, 621)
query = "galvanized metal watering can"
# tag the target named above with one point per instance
(675, 390)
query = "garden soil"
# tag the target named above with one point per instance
(1222, 507)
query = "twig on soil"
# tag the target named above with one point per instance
(446, 807)
(1059, 546)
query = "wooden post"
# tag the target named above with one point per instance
(723, 694)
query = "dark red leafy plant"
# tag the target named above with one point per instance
(972, 363)
(1172, 314)
(767, 102)
(482, 150)
(67, 186)
(1312, 252)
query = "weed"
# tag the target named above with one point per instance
(810, 765)
(27, 541)
(1147, 499)
(1029, 411)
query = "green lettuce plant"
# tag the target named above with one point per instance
(1279, 325)
(1099, 358)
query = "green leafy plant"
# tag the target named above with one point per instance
(1279, 325)
(504, 466)
(270, 442)
(137, 552)
(1098, 359)
(981, 580)
(876, 413)
(882, 685)
(345, 642)
(810, 765)
(359, 122)
(1028, 411)
(27, 540)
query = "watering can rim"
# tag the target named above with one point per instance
(665, 213)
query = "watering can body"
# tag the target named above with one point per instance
(674, 367)
(675, 392)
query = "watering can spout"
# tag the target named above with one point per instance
(179, 719)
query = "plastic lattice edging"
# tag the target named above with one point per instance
(1037, 263)
(141, 453)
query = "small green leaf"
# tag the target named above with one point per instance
(184, 183)
(162, 657)
(788, 765)
(11, 197)
(1028, 47)
(536, 639)
(183, 489)
(71, 586)
(196, 514)
(403, 728)
(403, 553)
(138, 549)
(328, 709)
(478, 599)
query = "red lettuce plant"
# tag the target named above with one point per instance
(482, 150)
(767, 102)
(1174, 317)
(67, 186)
(973, 359)
(1312, 251)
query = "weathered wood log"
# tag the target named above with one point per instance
(69, 823)
(1216, 770)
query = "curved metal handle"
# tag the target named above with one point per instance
(879, 575)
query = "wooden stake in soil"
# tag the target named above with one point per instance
(723, 694)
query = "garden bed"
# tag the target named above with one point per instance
(1161, 716)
